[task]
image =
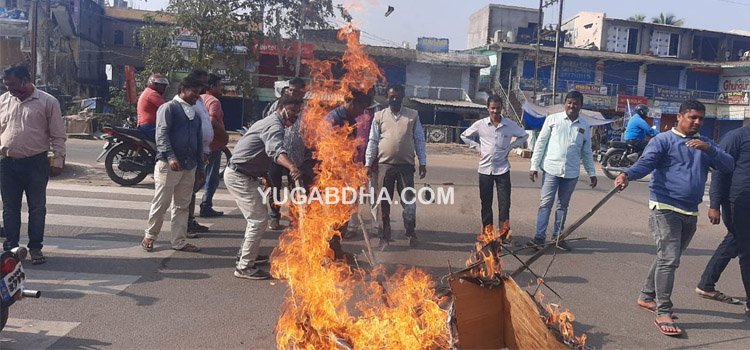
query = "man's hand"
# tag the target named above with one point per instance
(204, 157)
(200, 180)
(295, 173)
(714, 215)
(594, 181)
(422, 171)
(174, 164)
(533, 175)
(698, 144)
(621, 181)
(55, 171)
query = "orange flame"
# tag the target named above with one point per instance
(563, 320)
(486, 257)
(328, 305)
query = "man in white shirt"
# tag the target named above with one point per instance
(495, 134)
(563, 144)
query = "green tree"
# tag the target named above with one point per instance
(668, 19)
(226, 32)
(637, 18)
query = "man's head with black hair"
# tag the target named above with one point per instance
(190, 89)
(573, 104)
(297, 87)
(17, 80)
(690, 118)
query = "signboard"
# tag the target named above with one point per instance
(576, 69)
(597, 101)
(590, 89)
(432, 44)
(623, 100)
(668, 107)
(734, 97)
(269, 48)
(674, 94)
(735, 84)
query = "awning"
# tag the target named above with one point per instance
(454, 106)
(594, 118)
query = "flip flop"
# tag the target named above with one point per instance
(147, 246)
(651, 307)
(663, 328)
(718, 296)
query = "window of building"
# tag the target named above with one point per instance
(119, 37)
(632, 40)
(674, 45)
(11, 4)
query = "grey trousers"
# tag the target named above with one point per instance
(673, 232)
(250, 201)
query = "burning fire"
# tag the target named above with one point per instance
(329, 305)
(563, 320)
(486, 260)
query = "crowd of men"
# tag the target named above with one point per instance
(189, 134)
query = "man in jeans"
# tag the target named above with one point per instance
(396, 137)
(730, 200)
(495, 133)
(680, 160)
(244, 178)
(563, 143)
(220, 140)
(179, 151)
(30, 125)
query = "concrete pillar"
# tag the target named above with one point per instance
(641, 89)
(599, 73)
(683, 79)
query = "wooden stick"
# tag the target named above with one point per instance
(566, 232)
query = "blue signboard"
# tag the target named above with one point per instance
(576, 69)
(432, 44)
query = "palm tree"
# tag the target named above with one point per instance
(668, 19)
(637, 18)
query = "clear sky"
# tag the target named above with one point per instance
(450, 18)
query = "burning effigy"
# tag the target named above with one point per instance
(331, 305)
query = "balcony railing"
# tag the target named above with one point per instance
(437, 93)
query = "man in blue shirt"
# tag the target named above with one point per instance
(730, 201)
(680, 160)
(637, 129)
(563, 143)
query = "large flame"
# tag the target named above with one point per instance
(329, 305)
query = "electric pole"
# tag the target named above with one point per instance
(34, 11)
(557, 54)
(303, 7)
(538, 46)
(47, 34)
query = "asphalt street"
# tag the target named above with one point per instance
(100, 290)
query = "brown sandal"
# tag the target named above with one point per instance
(189, 248)
(718, 296)
(651, 306)
(664, 328)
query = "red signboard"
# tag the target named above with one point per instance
(269, 48)
(623, 100)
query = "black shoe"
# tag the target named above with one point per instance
(261, 259)
(252, 273)
(537, 245)
(413, 241)
(562, 245)
(194, 226)
(210, 213)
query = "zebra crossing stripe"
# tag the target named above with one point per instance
(102, 222)
(33, 334)
(139, 191)
(110, 203)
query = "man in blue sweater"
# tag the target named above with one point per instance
(679, 160)
(730, 201)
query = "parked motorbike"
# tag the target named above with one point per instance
(130, 157)
(11, 284)
(618, 158)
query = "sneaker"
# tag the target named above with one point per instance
(562, 245)
(194, 226)
(261, 259)
(535, 244)
(252, 273)
(274, 225)
(210, 213)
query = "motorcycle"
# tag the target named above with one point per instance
(11, 284)
(130, 156)
(618, 158)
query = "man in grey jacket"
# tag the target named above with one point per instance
(179, 150)
(245, 177)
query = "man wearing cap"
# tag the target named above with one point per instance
(148, 103)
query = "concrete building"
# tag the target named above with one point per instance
(595, 30)
(14, 24)
(496, 22)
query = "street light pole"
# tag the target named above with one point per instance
(303, 7)
(34, 29)
(557, 54)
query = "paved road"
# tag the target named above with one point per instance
(100, 290)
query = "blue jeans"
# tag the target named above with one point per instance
(673, 232)
(741, 232)
(212, 179)
(552, 185)
(726, 251)
(19, 176)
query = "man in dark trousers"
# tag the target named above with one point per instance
(730, 200)
(31, 125)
